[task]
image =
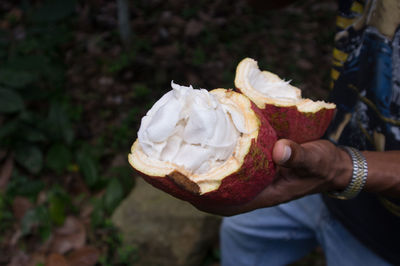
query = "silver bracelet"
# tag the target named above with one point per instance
(358, 179)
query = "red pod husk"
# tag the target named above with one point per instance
(254, 172)
(290, 123)
(292, 117)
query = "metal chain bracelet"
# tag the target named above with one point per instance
(358, 179)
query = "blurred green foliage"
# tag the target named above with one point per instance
(38, 123)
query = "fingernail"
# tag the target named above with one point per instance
(287, 151)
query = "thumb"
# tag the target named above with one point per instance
(287, 153)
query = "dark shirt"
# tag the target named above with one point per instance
(366, 90)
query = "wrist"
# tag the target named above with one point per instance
(342, 174)
(358, 178)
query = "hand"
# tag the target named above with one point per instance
(304, 169)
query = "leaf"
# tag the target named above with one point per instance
(8, 128)
(57, 210)
(34, 63)
(71, 235)
(28, 61)
(31, 134)
(20, 185)
(141, 90)
(18, 258)
(58, 158)
(127, 254)
(45, 229)
(199, 56)
(55, 259)
(20, 206)
(38, 65)
(88, 168)
(10, 101)
(24, 186)
(16, 78)
(59, 200)
(38, 258)
(5, 172)
(85, 256)
(33, 218)
(125, 176)
(114, 194)
(6, 216)
(97, 216)
(52, 11)
(30, 157)
(58, 123)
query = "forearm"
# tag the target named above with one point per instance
(383, 173)
(336, 166)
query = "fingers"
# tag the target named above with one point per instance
(312, 159)
(281, 152)
(289, 154)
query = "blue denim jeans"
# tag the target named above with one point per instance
(285, 233)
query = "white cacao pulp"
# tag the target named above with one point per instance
(272, 87)
(264, 87)
(191, 128)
